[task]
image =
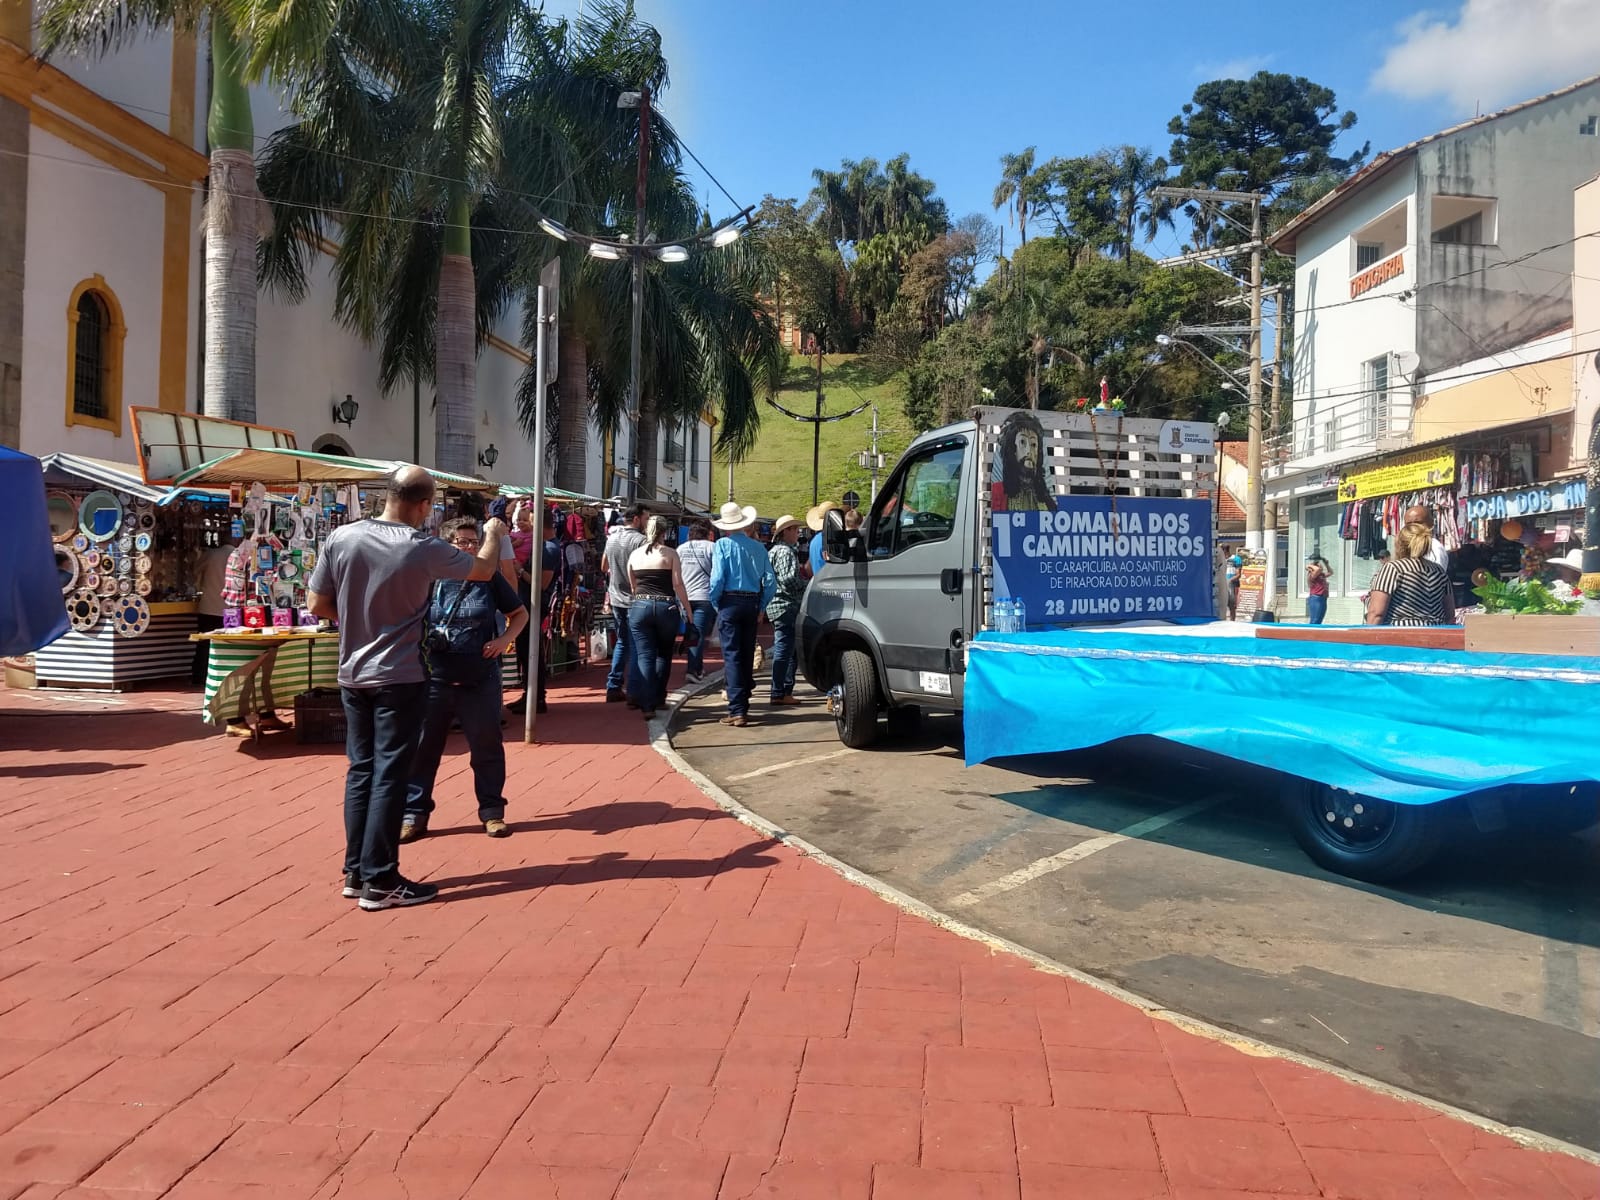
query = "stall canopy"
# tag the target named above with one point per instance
(31, 611)
(287, 468)
(551, 494)
(74, 470)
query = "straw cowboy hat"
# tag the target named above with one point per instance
(734, 518)
(784, 522)
(817, 515)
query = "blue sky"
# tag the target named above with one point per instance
(764, 92)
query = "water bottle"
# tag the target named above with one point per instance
(1019, 616)
(1000, 605)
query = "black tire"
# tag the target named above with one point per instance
(904, 721)
(855, 713)
(1359, 836)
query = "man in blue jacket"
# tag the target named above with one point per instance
(742, 585)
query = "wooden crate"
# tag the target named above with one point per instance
(1517, 633)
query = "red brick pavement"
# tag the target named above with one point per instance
(635, 996)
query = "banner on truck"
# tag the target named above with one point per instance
(1099, 558)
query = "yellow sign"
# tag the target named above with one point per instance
(1433, 468)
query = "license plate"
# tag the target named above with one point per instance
(933, 682)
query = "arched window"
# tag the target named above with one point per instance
(331, 444)
(95, 333)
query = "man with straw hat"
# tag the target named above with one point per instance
(814, 520)
(742, 584)
(784, 606)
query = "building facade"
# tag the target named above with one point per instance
(102, 169)
(1435, 304)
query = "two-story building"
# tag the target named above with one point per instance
(1433, 319)
(102, 174)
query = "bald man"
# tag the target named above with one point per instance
(1421, 514)
(376, 578)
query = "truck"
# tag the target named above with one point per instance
(1102, 527)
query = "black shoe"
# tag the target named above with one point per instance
(352, 886)
(401, 893)
(614, 697)
(413, 828)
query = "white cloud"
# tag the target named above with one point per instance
(1493, 52)
(1233, 68)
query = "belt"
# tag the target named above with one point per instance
(741, 595)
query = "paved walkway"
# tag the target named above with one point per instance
(634, 996)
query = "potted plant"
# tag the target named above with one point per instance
(1526, 616)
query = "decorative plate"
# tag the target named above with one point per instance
(83, 609)
(143, 542)
(130, 616)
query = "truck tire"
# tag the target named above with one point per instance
(856, 711)
(1364, 838)
(904, 720)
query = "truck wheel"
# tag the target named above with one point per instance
(1360, 836)
(904, 721)
(855, 712)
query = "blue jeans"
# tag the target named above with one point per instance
(705, 620)
(736, 627)
(1316, 609)
(783, 660)
(624, 671)
(382, 725)
(477, 707)
(654, 625)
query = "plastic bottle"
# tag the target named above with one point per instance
(1019, 615)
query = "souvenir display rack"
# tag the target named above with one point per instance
(128, 566)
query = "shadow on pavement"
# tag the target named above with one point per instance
(601, 869)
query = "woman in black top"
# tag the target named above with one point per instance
(1409, 589)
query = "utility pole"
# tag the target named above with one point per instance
(1253, 511)
(636, 333)
(730, 480)
(816, 433)
(871, 460)
(1269, 587)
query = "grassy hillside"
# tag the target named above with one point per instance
(776, 477)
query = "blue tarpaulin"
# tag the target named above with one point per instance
(31, 610)
(1413, 726)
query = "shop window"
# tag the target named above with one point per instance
(694, 450)
(95, 336)
(1319, 534)
(1590, 127)
(1463, 221)
(1378, 239)
(673, 455)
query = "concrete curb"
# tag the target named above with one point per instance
(661, 741)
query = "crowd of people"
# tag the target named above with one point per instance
(425, 621)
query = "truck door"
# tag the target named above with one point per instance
(917, 577)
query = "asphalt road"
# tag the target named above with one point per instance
(1476, 982)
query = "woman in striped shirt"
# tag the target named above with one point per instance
(1409, 589)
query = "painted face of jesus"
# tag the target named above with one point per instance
(1027, 447)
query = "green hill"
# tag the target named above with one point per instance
(776, 476)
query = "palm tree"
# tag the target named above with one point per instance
(409, 161)
(1016, 188)
(249, 40)
(1137, 171)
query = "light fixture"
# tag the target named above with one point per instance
(673, 254)
(726, 236)
(1222, 420)
(345, 413)
(554, 230)
(605, 250)
(488, 456)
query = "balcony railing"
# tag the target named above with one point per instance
(1372, 421)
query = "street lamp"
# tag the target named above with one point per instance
(488, 456)
(345, 413)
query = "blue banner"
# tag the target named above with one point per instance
(1103, 558)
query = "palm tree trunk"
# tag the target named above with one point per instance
(455, 350)
(231, 232)
(573, 388)
(645, 452)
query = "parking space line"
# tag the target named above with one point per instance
(1082, 850)
(784, 766)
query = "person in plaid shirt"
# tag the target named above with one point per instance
(784, 607)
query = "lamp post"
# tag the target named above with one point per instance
(641, 101)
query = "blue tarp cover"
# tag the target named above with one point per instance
(32, 613)
(1409, 725)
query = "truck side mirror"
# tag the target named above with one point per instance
(839, 545)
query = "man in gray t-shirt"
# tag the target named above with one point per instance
(376, 577)
(624, 540)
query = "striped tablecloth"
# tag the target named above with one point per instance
(301, 661)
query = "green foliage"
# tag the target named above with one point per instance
(1525, 596)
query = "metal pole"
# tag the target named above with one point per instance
(530, 697)
(1269, 588)
(730, 479)
(416, 413)
(816, 434)
(872, 495)
(636, 334)
(1253, 497)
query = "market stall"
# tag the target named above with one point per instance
(127, 555)
(570, 608)
(271, 650)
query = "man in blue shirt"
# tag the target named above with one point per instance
(814, 522)
(742, 585)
